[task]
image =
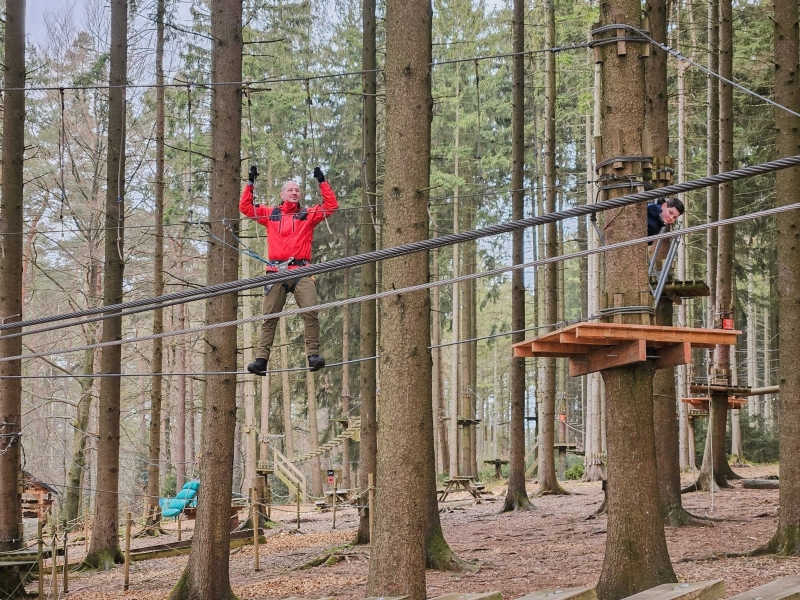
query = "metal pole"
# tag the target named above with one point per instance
(40, 559)
(334, 504)
(128, 522)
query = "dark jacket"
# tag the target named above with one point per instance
(654, 222)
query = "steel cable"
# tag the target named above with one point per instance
(419, 287)
(387, 253)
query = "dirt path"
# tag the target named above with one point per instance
(552, 546)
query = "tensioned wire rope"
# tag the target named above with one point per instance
(411, 289)
(205, 292)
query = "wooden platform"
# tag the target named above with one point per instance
(593, 347)
(701, 403)
(731, 390)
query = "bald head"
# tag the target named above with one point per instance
(290, 192)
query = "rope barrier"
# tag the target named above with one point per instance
(416, 288)
(205, 292)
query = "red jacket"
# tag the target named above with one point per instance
(290, 229)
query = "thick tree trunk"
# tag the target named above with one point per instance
(712, 154)
(346, 366)
(157, 366)
(787, 93)
(104, 550)
(517, 495)
(636, 556)
(207, 574)
(367, 326)
(548, 484)
(72, 503)
(405, 482)
(11, 211)
(666, 424)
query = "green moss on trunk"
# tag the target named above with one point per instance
(440, 557)
(785, 542)
(519, 501)
(105, 559)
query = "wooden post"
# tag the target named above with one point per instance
(179, 527)
(65, 572)
(54, 565)
(268, 497)
(370, 498)
(334, 504)
(256, 520)
(297, 494)
(40, 559)
(128, 521)
(86, 526)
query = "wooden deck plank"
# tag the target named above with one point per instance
(463, 596)
(785, 588)
(701, 338)
(584, 593)
(608, 357)
(703, 590)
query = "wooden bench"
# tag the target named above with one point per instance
(785, 588)
(584, 593)
(703, 590)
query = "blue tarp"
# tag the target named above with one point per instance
(172, 507)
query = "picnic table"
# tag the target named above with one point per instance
(461, 483)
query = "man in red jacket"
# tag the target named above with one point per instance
(290, 231)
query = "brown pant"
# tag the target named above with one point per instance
(305, 294)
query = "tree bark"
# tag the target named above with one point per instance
(207, 573)
(157, 366)
(712, 152)
(517, 495)
(786, 540)
(636, 556)
(11, 212)
(104, 550)
(72, 503)
(405, 482)
(346, 365)
(548, 484)
(368, 447)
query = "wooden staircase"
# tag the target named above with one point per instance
(352, 429)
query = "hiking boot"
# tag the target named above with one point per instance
(259, 367)
(315, 362)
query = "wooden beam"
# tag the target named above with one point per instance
(703, 590)
(522, 350)
(674, 355)
(608, 358)
(461, 596)
(556, 349)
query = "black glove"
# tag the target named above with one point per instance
(253, 174)
(319, 175)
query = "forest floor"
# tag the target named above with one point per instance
(555, 545)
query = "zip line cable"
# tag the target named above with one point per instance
(205, 292)
(419, 287)
(681, 57)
